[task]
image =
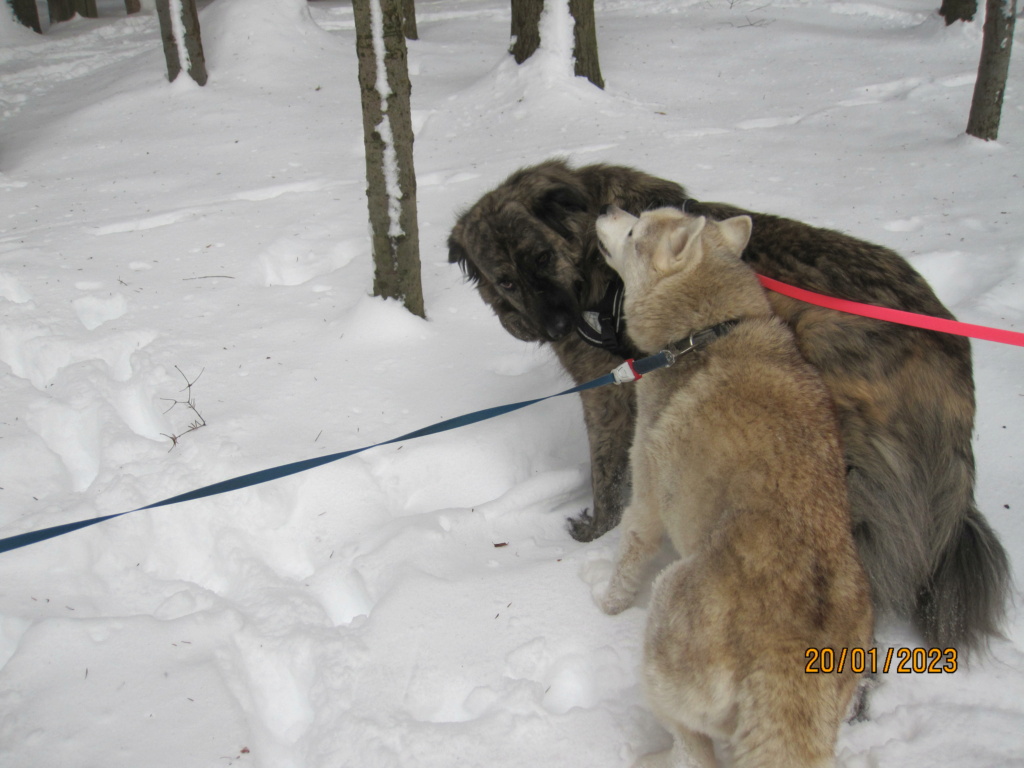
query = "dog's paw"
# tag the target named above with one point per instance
(587, 527)
(616, 599)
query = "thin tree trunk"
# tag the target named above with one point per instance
(987, 103)
(958, 10)
(132, 6)
(187, 29)
(585, 41)
(26, 12)
(60, 10)
(86, 8)
(388, 138)
(525, 28)
(409, 20)
(526, 35)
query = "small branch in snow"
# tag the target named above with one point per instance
(190, 403)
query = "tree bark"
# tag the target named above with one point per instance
(190, 38)
(526, 35)
(86, 8)
(26, 12)
(585, 41)
(958, 10)
(388, 138)
(409, 20)
(997, 41)
(525, 28)
(60, 10)
(132, 6)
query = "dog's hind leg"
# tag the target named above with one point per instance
(788, 722)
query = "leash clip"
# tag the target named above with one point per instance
(626, 373)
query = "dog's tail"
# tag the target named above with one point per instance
(964, 602)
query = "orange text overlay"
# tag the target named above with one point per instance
(872, 660)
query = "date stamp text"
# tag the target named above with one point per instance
(871, 660)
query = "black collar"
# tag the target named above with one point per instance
(604, 326)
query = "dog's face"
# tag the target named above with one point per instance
(529, 243)
(522, 247)
(645, 248)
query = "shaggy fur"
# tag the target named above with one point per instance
(905, 397)
(736, 456)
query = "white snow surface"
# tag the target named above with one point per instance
(420, 604)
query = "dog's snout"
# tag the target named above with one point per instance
(558, 327)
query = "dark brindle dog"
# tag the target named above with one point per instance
(905, 397)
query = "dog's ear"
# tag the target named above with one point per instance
(736, 233)
(556, 205)
(457, 254)
(683, 247)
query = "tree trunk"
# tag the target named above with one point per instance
(958, 10)
(181, 38)
(585, 41)
(26, 12)
(132, 6)
(86, 8)
(526, 35)
(60, 10)
(987, 103)
(525, 28)
(409, 20)
(388, 138)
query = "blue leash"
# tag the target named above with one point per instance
(627, 372)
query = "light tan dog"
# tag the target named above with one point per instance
(736, 456)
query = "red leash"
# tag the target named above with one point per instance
(895, 315)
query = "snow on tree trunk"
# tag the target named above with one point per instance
(987, 103)
(26, 12)
(388, 138)
(527, 33)
(183, 46)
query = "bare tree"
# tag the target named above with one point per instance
(26, 12)
(997, 40)
(388, 138)
(958, 10)
(526, 35)
(183, 46)
(60, 10)
(409, 20)
(585, 41)
(525, 28)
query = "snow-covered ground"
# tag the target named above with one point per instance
(421, 604)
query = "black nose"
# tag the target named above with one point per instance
(558, 327)
(605, 209)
